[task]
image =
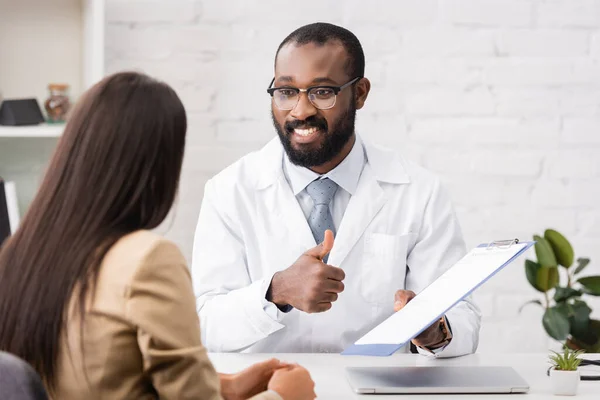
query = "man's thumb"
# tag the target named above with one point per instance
(324, 248)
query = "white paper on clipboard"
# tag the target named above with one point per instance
(435, 300)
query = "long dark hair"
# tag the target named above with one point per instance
(115, 170)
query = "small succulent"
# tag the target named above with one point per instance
(567, 361)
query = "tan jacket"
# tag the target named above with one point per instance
(141, 334)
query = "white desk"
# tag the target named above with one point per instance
(327, 371)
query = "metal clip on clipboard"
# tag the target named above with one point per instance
(502, 244)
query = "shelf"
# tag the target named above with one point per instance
(33, 131)
(42, 42)
(50, 41)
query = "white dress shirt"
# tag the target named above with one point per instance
(345, 175)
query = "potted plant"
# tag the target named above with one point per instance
(566, 313)
(564, 373)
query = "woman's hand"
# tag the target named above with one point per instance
(293, 383)
(250, 381)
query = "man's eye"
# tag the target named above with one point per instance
(286, 92)
(323, 92)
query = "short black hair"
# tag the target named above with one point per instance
(321, 33)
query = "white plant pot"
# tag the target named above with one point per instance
(564, 383)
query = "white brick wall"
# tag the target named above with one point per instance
(501, 98)
(542, 43)
(487, 13)
(570, 14)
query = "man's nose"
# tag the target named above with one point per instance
(304, 108)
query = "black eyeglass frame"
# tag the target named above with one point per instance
(336, 89)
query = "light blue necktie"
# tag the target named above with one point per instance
(320, 219)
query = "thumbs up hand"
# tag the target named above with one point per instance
(309, 284)
(322, 249)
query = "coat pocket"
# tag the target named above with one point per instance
(383, 267)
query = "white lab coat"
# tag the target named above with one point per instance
(399, 231)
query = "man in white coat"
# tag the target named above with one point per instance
(268, 274)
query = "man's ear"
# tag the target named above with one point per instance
(363, 87)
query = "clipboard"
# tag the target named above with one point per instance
(470, 272)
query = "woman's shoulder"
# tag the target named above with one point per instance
(143, 248)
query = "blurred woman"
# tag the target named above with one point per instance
(100, 306)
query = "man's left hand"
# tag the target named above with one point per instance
(430, 336)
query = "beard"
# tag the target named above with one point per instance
(332, 143)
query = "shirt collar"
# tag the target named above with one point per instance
(345, 175)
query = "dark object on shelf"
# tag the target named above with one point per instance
(20, 112)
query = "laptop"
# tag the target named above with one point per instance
(446, 379)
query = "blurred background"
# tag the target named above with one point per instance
(500, 98)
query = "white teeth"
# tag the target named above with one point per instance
(305, 132)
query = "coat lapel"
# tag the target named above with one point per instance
(290, 215)
(362, 208)
(381, 165)
(287, 224)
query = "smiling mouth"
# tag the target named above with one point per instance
(306, 132)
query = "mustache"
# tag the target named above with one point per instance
(311, 122)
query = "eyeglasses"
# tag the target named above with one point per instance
(322, 97)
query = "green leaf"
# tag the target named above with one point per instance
(583, 262)
(591, 284)
(589, 339)
(565, 293)
(569, 360)
(556, 323)
(561, 247)
(547, 278)
(564, 308)
(579, 317)
(575, 343)
(531, 270)
(530, 302)
(544, 252)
